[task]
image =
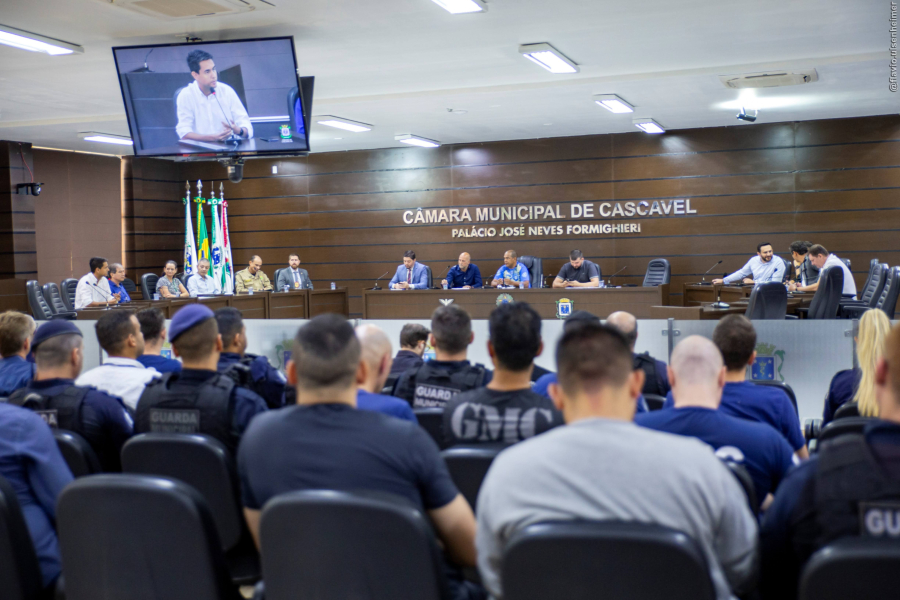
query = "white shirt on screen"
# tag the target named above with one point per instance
(85, 292)
(849, 284)
(202, 285)
(203, 114)
(759, 271)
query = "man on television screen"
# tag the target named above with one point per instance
(208, 110)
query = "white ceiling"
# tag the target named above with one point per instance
(400, 64)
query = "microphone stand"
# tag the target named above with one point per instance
(616, 273)
(377, 287)
(105, 295)
(703, 281)
(718, 303)
(447, 270)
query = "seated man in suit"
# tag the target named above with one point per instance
(512, 273)
(294, 277)
(411, 275)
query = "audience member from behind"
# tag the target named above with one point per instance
(16, 372)
(656, 380)
(249, 370)
(438, 381)
(197, 399)
(413, 340)
(324, 443)
(601, 466)
(858, 385)
(697, 374)
(120, 375)
(506, 411)
(850, 488)
(31, 462)
(99, 418)
(93, 288)
(374, 367)
(153, 328)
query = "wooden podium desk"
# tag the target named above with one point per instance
(696, 294)
(419, 304)
(706, 312)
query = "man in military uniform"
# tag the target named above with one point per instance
(198, 399)
(249, 370)
(440, 380)
(656, 379)
(252, 278)
(99, 418)
(16, 372)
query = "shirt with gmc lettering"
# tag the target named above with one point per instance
(486, 416)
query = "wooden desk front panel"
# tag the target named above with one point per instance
(289, 305)
(329, 301)
(252, 306)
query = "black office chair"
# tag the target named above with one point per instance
(20, 571)
(846, 261)
(148, 285)
(55, 302)
(40, 310)
(768, 301)
(659, 271)
(654, 402)
(535, 268)
(827, 299)
(871, 292)
(887, 300)
(788, 267)
(277, 274)
(853, 567)
(584, 560)
(430, 276)
(432, 421)
(846, 410)
(185, 278)
(844, 426)
(67, 288)
(785, 387)
(468, 465)
(336, 545)
(206, 465)
(155, 535)
(129, 286)
(746, 482)
(77, 453)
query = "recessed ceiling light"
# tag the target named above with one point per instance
(457, 7)
(548, 57)
(345, 124)
(338, 138)
(613, 103)
(33, 42)
(106, 138)
(648, 126)
(415, 140)
(546, 124)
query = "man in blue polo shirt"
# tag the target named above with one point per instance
(116, 279)
(697, 374)
(463, 276)
(16, 372)
(374, 368)
(512, 273)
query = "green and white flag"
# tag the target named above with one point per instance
(190, 250)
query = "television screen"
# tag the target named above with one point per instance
(233, 97)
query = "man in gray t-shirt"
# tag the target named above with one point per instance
(601, 466)
(578, 272)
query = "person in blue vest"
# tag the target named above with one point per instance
(16, 371)
(374, 368)
(254, 372)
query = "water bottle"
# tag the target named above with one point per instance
(285, 288)
(250, 291)
(445, 285)
(334, 287)
(522, 285)
(156, 296)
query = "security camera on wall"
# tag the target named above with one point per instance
(29, 189)
(744, 116)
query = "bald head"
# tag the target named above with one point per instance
(626, 323)
(376, 354)
(464, 260)
(697, 373)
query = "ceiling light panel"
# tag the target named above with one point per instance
(106, 138)
(345, 124)
(415, 140)
(548, 57)
(613, 103)
(24, 40)
(648, 126)
(458, 7)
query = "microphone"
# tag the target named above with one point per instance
(447, 270)
(105, 295)
(616, 273)
(379, 279)
(710, 269)
(232, 137)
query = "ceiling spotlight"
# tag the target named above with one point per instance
(345, 124)
(106, 138)
(33, 42)
(548, 57)
(743, 116)
(613, 103)
(648, 126)
(458, 7)
(415, 140)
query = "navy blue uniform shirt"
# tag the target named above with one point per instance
(761, 449)
(15, 373)
(458, 278)
(388, 405)
(160, 363)
(840, 391)
(542, 387)
(405, 359)
(270, 383)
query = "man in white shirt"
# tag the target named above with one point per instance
(762, 268)
(121, 375)
(93, 288)
(201, 283)
(823, 259)
(210, 111)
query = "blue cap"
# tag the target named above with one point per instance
(52, 329)
(188, 317)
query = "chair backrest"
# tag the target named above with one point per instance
(129, 286)
(578, 559)
(746, 482)
(19, 568)
(430, 276)
(846, 261)
(659, 271)
(432, 421)
(67, 288)
(185, 277)
(468, 465)
(40, 310)
(199, 461)
(853, 568)
(767, 301)
(887, 301)
(148, 285)
(535, 268)
(787, 390)
(827, 299)
(788, 267)
(874, 284)
(845, 410)
(54, 299)
(654, 402)
(337, 545)
(843, 427)
(77, 453)
(278, 274)
(152, 534)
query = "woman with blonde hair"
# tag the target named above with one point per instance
(858, 385)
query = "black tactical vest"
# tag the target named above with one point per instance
(242, 374)
(62, 411)
(646, 363)
(434, 387)
(170, 406)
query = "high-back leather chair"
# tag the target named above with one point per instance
(825, 303)
(883, 294)
(846, 410)
(430, 277)
(148, 285)
(578, 559)
(788, 267)
(55, 302)
(275, 279)
(129, 286)
(783, 387)
(468, 465)
(77, 453)
(535, 268)
(432, 421)
(843, 427)
(337, 545)
(67, 289)
(659, 271)
(887, 301)
(153, 534)
(40, 310)
(746, 482)
(767, 301)
(853, 567)
(206, 465)
(19, 568)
